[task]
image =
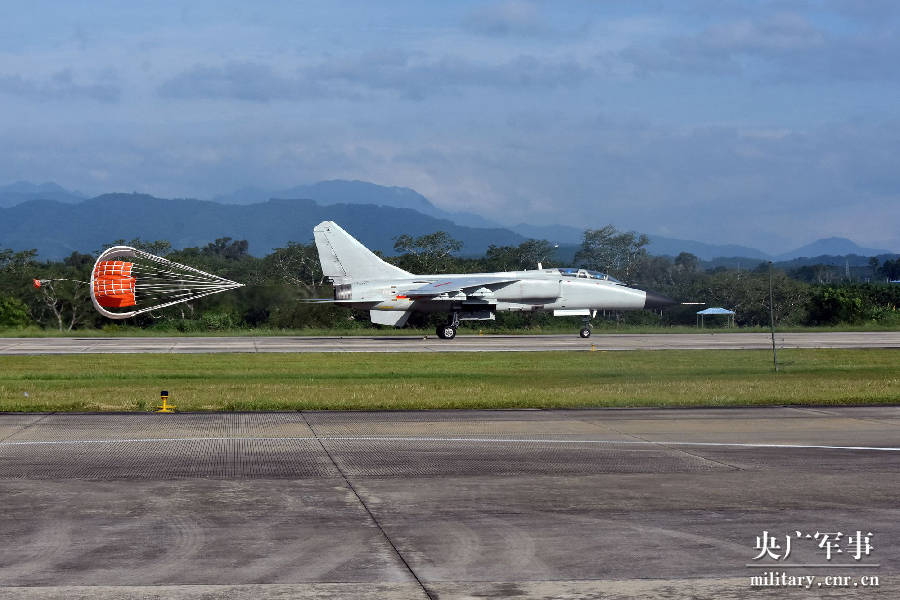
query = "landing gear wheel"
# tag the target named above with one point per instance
(448, 331)
(585, 332)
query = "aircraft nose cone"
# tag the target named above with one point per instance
(655, 300)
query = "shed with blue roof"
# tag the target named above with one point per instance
(713, 311)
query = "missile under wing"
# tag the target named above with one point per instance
(390, 294)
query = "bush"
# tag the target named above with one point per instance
(853, 304)
(14, 313)
(219, 321)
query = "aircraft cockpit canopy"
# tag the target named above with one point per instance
(585, 274)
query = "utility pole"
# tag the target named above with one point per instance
(772, 319)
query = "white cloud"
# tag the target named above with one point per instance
(509, 18)
(61, 85)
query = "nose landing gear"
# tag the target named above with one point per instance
(586, 328)
(448, 331)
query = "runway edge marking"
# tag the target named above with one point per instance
(446, 439)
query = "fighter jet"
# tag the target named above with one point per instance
(364, 281)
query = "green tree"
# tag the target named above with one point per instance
(687, 262)
(873, 264)
(747, 293)
(79, 261)
(227, 248)
(431, 253)
(891, 269)
(654, 271)
(16, 271)
(156, 247)
(614, 252)
(64, 298)
(13, 312)
(526, 255)
(296, 265)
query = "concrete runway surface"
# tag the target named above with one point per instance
(463, 343)
(627, 503)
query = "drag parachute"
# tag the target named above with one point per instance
(126, 282)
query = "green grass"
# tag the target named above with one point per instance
(571, 328)
(448, 380)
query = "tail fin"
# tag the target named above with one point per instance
(344, 258)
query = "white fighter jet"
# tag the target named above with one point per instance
(362, 280)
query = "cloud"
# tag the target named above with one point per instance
(784, 47)
(407, 74)
(746, 118)
(236, 80)
(721, 48)
(870, 10)
(418, 78)
(511, 18)
(60, 86)
(773, 34)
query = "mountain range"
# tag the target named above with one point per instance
(23, 191)
(57, 229)
(57, 221)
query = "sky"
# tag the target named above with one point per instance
(769, 124)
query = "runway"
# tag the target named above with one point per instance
(463, 343)
(443, 504)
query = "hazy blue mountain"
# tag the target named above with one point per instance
(362, 192)
(673, 247)
(833, 246)
(340, 191)
(851, 260)
(247, 195)
(558, 234)
(659, 245)
(57, 229)
(23, 191)
(273, 222)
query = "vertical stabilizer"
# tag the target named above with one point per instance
(343, 258)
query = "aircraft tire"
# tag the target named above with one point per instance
(447, 332)
(440, 331)
(585, 332)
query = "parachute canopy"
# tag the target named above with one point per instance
(137, 281)
(113, 286)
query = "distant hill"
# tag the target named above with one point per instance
(558, 234)
(23, 191)
(720, 254)
(58, 229)
(673, 247)
(833, 246)
(229, 215)
(565, 236)
(341, 191)
(851, 260)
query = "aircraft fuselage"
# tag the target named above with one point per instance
(532, 290)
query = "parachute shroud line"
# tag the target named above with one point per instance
(126, 277)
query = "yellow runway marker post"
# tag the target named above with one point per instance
(165, 407)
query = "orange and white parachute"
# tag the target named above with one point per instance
(126, 282)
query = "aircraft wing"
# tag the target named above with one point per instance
(333, 301)
(443, 286)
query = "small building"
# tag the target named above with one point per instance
(715, 311)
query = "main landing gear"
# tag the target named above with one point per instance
(586, 328)
(448, 331)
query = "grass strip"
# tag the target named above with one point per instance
(564, 326)
(369, 381)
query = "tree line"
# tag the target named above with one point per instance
(276, 282)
